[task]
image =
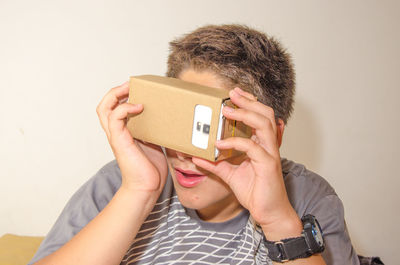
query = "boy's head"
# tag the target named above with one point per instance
(224, 57)
(242, 57)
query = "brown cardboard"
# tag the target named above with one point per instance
(233, 128)
(168, 114)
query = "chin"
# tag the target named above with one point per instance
(190, 204)
(192, 199)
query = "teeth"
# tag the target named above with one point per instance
(187, 173)
(192, 175)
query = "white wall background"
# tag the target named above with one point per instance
(58, 59)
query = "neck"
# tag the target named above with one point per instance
(221, 211)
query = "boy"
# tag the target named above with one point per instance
(155, 206)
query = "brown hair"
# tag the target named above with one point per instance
(243, 57)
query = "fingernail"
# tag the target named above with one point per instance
(136, 106)
(233, 93)
(228, 109)
(238, 89)
(220, 143)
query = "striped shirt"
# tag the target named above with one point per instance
(173, 234)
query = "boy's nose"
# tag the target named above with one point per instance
(182, 156)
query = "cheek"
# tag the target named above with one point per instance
(210, 189)
(208, 193)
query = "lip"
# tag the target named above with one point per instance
(188, 178)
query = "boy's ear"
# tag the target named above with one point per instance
(280, 126)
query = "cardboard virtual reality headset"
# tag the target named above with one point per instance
(182, 116)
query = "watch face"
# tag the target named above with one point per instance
(313, 233)
(317, 233)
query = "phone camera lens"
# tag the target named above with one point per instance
(206, 128)
(198, 126)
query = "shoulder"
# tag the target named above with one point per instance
(296, 174)
(107, 178)
(82, 207)
(309, 193)
(109, 173)
(101, 187)
(305, 188)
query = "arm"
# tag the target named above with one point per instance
(106, 238)
(257, 180)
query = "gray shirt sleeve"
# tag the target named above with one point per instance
(339, 250)
(83, 206)
(309, 193)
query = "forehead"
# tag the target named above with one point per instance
(204, 77)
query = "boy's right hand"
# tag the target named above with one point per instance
(143, 166)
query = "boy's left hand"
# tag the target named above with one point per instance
(257, 181)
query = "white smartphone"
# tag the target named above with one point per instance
(201, 127)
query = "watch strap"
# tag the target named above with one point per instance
(288, 249)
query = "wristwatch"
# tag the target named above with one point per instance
(310, 242)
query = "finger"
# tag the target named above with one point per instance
(262, 126)
(253, 105)
(109, 102)
(254, 151)
(117, 118)
(114, 96)
(245, 94)
(221, 169)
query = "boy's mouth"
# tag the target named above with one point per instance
(188, 178)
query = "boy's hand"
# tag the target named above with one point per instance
(257, 181)
(143, 166)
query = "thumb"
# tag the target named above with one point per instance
(222, 169)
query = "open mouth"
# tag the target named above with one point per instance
(188, 178)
